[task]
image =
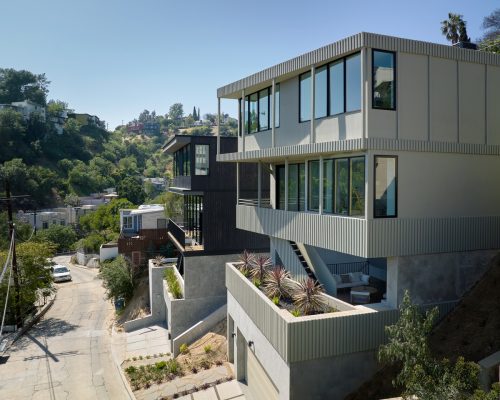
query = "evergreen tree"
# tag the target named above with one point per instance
(195, 116)
(199, 115)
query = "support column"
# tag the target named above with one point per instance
(259, 184)
(313, 105)
(286, 184)
(218, 126)
(306, 183)
(321, 188)
(273, 114)
(243, 122)
(237, 183)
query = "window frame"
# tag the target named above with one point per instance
(328, 83)
(207, 155)
(396, 179)
(246, 102)
(394, 75)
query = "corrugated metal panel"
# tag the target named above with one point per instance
(344, 234)
(402, 237)
(260, 310)
(290, 260)
(354, 43)
(361, 144)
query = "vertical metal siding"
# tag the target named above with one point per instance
(344, 234)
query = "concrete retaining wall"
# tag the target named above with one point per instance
(107, 252)
(198, 330)
(84, 258)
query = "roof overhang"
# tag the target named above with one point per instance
(175, 143)
(184, 191)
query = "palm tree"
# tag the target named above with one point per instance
(453, 27)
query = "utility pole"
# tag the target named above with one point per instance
(14, 259)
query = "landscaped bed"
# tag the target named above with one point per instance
(299, 297)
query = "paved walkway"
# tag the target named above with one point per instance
(142, 342)
(225, 391)
(67, 354)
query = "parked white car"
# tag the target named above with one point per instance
(61, 273)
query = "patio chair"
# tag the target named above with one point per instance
(360, 297)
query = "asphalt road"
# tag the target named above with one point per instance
(67, 355)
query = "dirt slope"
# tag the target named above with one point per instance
(470, 330)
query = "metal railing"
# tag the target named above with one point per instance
(264, 203)
(345, 268)
(177, 232)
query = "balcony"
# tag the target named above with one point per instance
(142, 240)
(343, 234)
(310, 337)
(182, 239)
(181, 182)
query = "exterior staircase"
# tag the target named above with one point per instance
(302, 260)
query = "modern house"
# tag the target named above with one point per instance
(26, 108)
(143, 233)
(87, 119)
(383, 157)
(205, 233)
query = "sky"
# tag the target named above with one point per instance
(115, 58)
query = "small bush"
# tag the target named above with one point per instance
(161, 365)
(119, 278)
(131, 370)
(173, 284)
(134, 358)
(218, 363)
(207, 348)
(194, 370)
(184, 349)
(276, 300)
(141, 357)
(296, 313)
(257, 283)
(308, 297)
(205, 364)
(173, 367)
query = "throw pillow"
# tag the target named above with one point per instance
(345, 278)
(337, 279)
(365, 279)
(355, 276)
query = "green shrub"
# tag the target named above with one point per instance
(207, 348)
(257, 282)
(118, 277)
(296, 313)
(173, 284)
(173, 367)
(276, 300)
(184, 349)
(131, 370)
(161, 365)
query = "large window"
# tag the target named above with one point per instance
(127, 222)
(257, 110)
(296, 187)
(305, 97)
(182, 162)
(313, 180)
(337, 89)
(343, 186)
(384, 84)
(201, 162)
(386, 186)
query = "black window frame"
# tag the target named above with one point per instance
(277, 183)
(328, 82)
(395, 79)
(241, 109)
(396, 179)
(208, 158)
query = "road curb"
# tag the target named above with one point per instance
(118, 366)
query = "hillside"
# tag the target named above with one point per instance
(470, 330)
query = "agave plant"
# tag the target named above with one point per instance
(308, 297)
(277, 283)
(247, 259)
(259, 267)
(158, 260)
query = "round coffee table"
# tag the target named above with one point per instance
(366, 289)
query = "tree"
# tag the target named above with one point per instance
(454, 28)
(106, 217)
(195, 116)
(63, 237)
(72, 200)
(119, 278)
(130, 188)
(421, 374)
(22, 85)
(144, 116)
(490, 41)
(34, 276)
(176, 111)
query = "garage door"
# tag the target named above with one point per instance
(258, 381)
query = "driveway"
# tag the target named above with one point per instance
(67, 355)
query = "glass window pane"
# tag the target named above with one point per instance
(314, 185)
(341, 186)
(253, 121)
(385, 187)
(320, 92)
(245, 112)
(305, 97)
(328, 186)
(277, 107)
(337, 87)
(293, 187)
(281, 187)
(302, 187)
(383, 80)
(358, 186)
(264, 110)
(353, 83)
(201, 159)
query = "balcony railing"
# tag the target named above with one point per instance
(177, 232)
(346, 268)
(264, 203)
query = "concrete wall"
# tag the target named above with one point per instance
(107, 253)
(331, 377)
(434, 278)
(84, 258)
(149, 220)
